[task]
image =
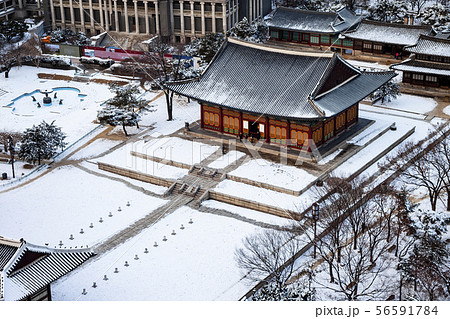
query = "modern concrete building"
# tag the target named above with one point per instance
(176, 20)
(11, 9)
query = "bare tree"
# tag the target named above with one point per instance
(264, 255)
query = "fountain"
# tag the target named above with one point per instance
(47, 99)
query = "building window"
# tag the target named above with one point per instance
(305, 37)
(285, 35)
(431, 78)
(295, 36)
(211, 119)
(329, 129)
(367, 45)
(378, 47)
(324, 39)
(347, 43)
(274, 34)
(314, 39)
(317, 135)
(418, 77)
(299, 138)
(231, 124)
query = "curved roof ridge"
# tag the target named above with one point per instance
(287, 51)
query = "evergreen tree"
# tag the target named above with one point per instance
(427, 267)
(12, 30)
(436, 15)
(388, 11)
(205, 48)
(251, 32)
(41, 142)
(272, 292)
(124, 108)
(386, 93)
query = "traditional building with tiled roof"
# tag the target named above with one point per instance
(280, 96)
(311, 28)
(27, 270)
(429, 64)
(384, 38)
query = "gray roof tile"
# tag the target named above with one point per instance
(431, 46)
(391, 33)
(275, 82)
(313, 21)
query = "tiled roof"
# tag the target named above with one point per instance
(313, 21)
(276, 82)
(7, 249)
(33, 267)
(431, 46)
(423, 67)
(390, 33)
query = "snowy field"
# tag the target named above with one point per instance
(195, 264)
(446, 110)
(249, 214)
(62, 202)
(175, 149)
(274, 174)
(76, 114)
(227, 159)
(122, 158)
(410, 103)
(182, 112)
(262, 195)
(94, 149)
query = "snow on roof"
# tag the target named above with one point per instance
(391, 33)
(431, 46)
(278, 82)
(30, 267)
(422, 67)
(313, 21)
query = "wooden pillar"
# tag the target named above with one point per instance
(172, 20)
(201, 116)
(268, 131)
(250, 11)
(221, 119)
(288, 134)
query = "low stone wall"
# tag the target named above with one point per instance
(254, 205)
(263, 185)
(135, 175)
(161, 160)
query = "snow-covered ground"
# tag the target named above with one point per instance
(274, 174)
(182, 112)
(195, 264)
(250, 214)
(262, 195)
(175, 149)
(19, 170)
(123, 158)
(446, 110)
(67, 199)
(94, 149)
(227, 159)
(76, 114)
(410, 103)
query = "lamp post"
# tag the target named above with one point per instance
(315, 216)
(11, 152)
